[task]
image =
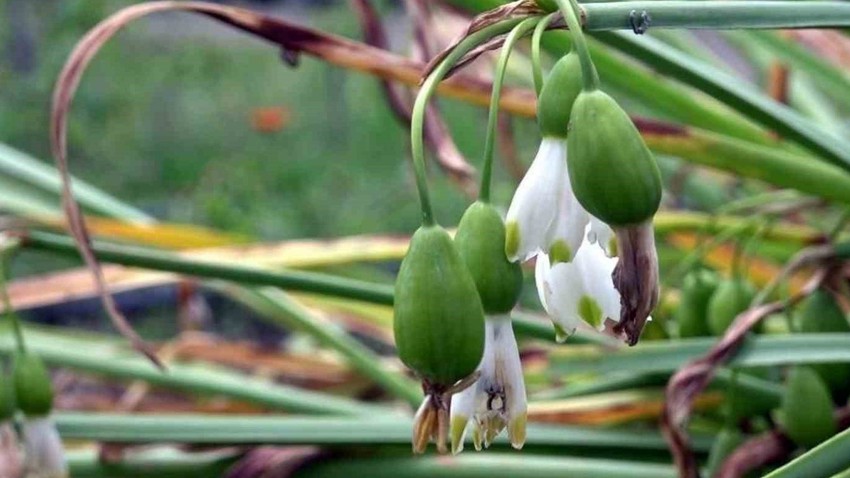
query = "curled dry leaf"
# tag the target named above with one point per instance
(436, 133)
(691, 379)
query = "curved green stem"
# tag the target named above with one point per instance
(425, 93)
(572, 14)
(536, 62)
(492, 120)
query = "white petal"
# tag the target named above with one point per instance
(534, 206)
(596, 269)
(568, 231)
(463, 407)
(601, 234)
(541, 279)
(508, 368)
(563, 287)
(45, 456)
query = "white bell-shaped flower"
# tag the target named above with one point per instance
(497, 400)
(579, 291)
(544, 214)
(44, 455)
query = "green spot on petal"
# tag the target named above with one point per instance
(512, 239)
(561, 335)
(457, 427)
(590, 311)
(560, 252)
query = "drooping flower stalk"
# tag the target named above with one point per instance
(438, 314)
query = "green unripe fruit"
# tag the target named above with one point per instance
(438, 318)
(33, 390)
(613, 173)
(559, 92)
(7, 397)
(730, 299)
(480, 240)
(724, 444)
(807, 413)
(692, 314)
(821, 314)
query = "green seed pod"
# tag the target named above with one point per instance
(692, 314)
(730, 299)
(559, 92)
(613, 173)
(806, 411)
(7, 397)
(819, 314)
(438, 318)
(724, 444)
(33, 389)
(480, 240)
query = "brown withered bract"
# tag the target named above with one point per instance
(636, 279)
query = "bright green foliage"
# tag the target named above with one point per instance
(692, 314)
(480, 240)
(820, 313)
(558, 95)
(613, 173)
(33, 389)
(439, 320)
(807, 411)
(730, 299)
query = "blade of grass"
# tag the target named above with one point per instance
(826, 459)
(321, 431)
(22, 167)
(490, 465)
(117, 362)
(159, 463)
(669, 356)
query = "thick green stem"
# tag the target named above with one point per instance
(495, 98)
(424, 96)
(726, 15)
(572, 14)
(536, 54)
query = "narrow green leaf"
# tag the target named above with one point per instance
(485, 465)
(322, 431)
(670, 356)
(119, 362)
(826, 459)
(21, 167)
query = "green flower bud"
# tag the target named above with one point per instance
(438, 318)
(480, 240)
(730, 299)
(692, 314)
(821, 314)
(7, 397)
(559, 92)
(806, 411)
(32, 385)
(613, 173)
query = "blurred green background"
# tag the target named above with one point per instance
(164, 120)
